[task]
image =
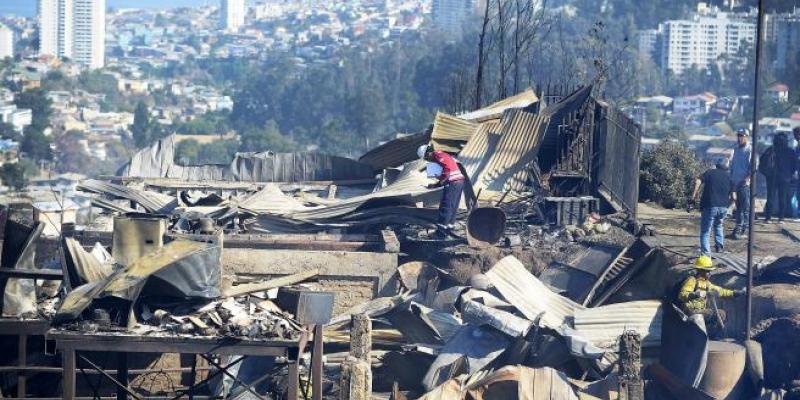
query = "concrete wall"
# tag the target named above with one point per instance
(355, 277)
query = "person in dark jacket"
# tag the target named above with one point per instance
(785, 168)
(717, 196)
(767, 167)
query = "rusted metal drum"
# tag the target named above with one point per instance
(724, 369)
(485, 226)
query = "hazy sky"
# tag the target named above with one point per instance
(28, 7)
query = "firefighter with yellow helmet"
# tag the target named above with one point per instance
(696, 289)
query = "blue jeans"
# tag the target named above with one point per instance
(448, 207)
(712, 216)
(742, 212)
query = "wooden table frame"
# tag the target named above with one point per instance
(23, 329)
(70, 343)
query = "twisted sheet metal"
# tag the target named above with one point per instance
(153, 202)
(483, 142)
(518, 146)
(451, 133)
(524, 99)
(603, 326)
(396, 152)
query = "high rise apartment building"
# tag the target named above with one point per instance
(449, 16)
(74, 29)
(231, 14)
(700, 41)
(6, 42)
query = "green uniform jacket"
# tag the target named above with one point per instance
(693, 284)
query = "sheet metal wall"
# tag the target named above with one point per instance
(617, 142)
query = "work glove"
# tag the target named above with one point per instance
(432, 186)
(697, 294)
(739, 292)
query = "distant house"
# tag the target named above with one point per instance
(699, 104)
(649, 143)
(716, 153)
(720, 129)
(778, 92)
(53, 215)
(777, 125)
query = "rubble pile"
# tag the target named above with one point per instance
(543, 290)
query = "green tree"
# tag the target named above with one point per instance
(7, 131)
(217, 152)
(667, 174)
(36, 100)
(186, 152)
(13, 175)
(268, 138)
(36, 145)
(140, 130)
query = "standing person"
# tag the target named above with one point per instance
(716, 197)
(451, 180)
(796, 134)
(740, 178)
(785, 168)
(767, 167)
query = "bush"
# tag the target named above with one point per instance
(667, 174)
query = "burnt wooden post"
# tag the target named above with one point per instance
(356, 377)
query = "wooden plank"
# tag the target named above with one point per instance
(53, 274)
(68, 355)
(22, 361)
(169, 344)
(271, 284)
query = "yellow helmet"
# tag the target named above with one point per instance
(705, 263)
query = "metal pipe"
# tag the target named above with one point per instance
(756, 116)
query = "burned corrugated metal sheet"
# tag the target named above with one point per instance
(483, 142)
(524, 99)
(602, 326)
(396, 152)
(529, 295)
(473, 347)
(158, 161)
(507, 166)
(618, 144)
(561, 116)
(19, 251)
(80, 266)
(394, 203)
(180, 269)
(153, 202)
(451, 133)
(581, 275)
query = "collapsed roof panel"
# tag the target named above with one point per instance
(483, 142)
(158, 161)
(524, 99)
(451, 133)
(396, 152)
(505, 167)
(153, 202)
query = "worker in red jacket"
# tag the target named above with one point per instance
(451, 180)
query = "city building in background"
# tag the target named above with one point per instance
(231, 14)
(6, 42)
(700, 41)
(784, 31)
(449, 16)
(74, 29)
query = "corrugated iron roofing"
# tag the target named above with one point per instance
(524, 99)
(559, 114)
(158, 161)
(529, 295)
(153, 202)
(484, 140)
(451, 133)
(602, 326)
(517, 147)
(396, 152)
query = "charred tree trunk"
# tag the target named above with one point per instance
(481, 57)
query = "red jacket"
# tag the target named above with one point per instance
(450, 171)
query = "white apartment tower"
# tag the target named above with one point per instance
(703, 39)
(6, 42)
(231, 14)
(74, 29)
(450, 15)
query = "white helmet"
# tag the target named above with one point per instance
(422, 150)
